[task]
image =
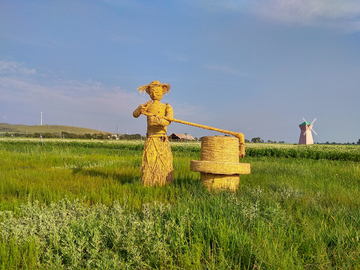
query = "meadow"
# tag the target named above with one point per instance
(73, 204)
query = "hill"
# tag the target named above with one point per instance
(4, 127)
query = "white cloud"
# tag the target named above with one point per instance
(344, 14)
(73, 102)
(337, 14)
(83, 97)
(309, 9)
(12, 68)
(67, 100)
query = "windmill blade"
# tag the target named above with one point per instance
(306, 130)
(314, 132)
(313, 121)
(304, 119)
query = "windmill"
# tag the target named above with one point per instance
(305, 133)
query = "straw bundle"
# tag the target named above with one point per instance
(219, 166)
(157, 163)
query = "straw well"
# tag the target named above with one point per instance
(219, 166)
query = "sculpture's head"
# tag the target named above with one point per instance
(155, 89)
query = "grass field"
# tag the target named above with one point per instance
(80, 205)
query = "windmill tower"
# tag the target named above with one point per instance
(305, 132)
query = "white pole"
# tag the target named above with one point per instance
(41, 119)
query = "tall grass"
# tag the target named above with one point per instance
(74, 207)
(315, 151)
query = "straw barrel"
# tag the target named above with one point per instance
(219, 166)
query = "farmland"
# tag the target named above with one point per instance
(73, 204)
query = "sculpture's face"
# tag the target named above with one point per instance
(156, 92)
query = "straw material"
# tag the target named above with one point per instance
(220, 182)
(157, 163)
(219, 166)
(220, 149)
(147, 87)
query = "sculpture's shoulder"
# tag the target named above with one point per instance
(168, 106)
(169, 112)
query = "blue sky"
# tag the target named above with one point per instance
(256, 67)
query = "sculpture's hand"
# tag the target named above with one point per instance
(155, 120)
(142, 108)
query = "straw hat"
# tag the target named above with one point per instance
(146, 88)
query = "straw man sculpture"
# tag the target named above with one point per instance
(157, 162)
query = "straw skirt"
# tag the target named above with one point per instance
(157, 163)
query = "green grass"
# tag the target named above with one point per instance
(315, 151)
(80, 205)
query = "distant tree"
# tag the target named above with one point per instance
(48, 135)
(101, 136)
(65, 135)
(358, 142)
(246, 140)
(256, 140)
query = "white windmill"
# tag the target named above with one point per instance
(305, 133)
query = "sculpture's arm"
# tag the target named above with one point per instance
(169, 113)
(141, 109)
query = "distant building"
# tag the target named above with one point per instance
(181, 137)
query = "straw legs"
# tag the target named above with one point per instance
(157, 163)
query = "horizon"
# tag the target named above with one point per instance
(262, 140)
